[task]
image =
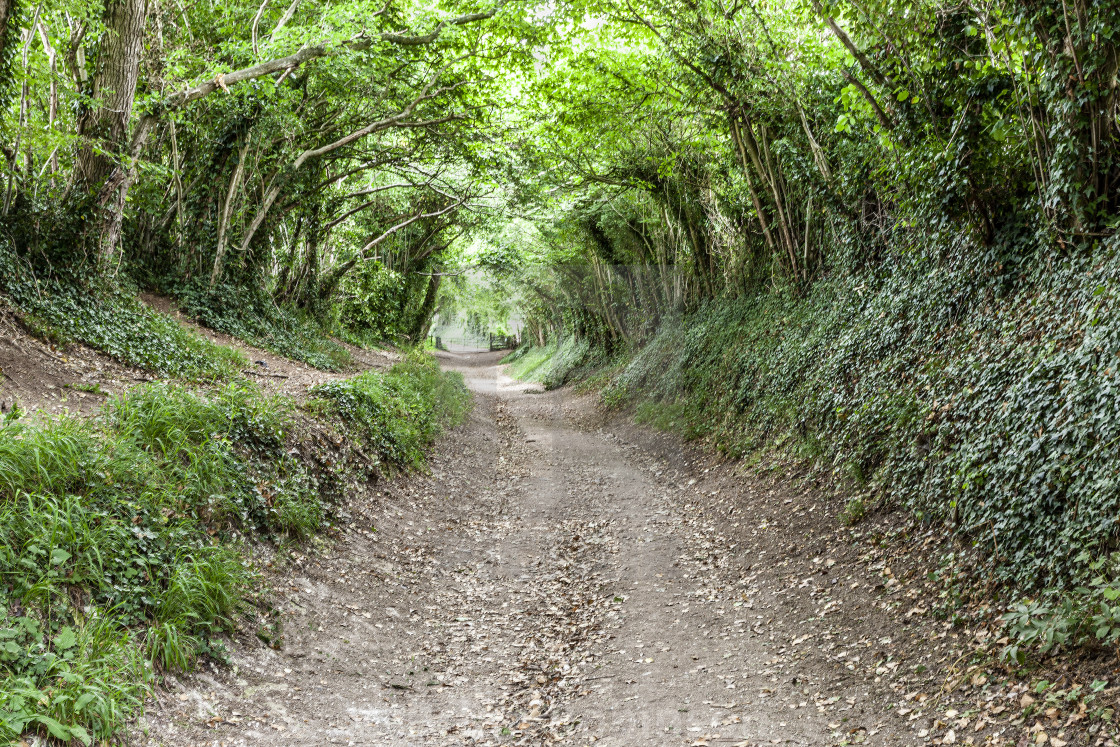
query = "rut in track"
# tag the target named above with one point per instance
(545, 583)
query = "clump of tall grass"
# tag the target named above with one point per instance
(76, 681)
(118, 535)
(398, 413)
(107, 545)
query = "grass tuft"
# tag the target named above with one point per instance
(120, 536)
(398, 413)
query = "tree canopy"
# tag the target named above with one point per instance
(616, 161)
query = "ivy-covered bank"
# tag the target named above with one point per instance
(122, 537)
(61, 305)
(990, 406)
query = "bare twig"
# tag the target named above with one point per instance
(268, 375)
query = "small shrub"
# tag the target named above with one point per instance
(170, 646)
(397, 413)
(78, 682)
(297, 509)
(204, 589)
(854, 512)
(45, 331)
(51, 458)
(171, 418)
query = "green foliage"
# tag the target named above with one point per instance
(1087, 615)
(203, 591)
(666, 415)
(256, 207)
(78, 682)
(530, 362)
(379, 303)
(108, 532)
(113, 321)
(479, 303)
(117, 534)
(372, 303)
(397, 413)
(556, 363)
(854, 512)
(251, 316)
(987, 411)
(217, 451)
(9, 43)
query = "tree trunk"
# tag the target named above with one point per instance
(8, 38)
(114, 87)
(103, 166)
(423, 321)
(396, 120)
(864, 62)
(226, 211)
(308, 277)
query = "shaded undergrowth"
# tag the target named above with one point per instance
(62, 309)
(255, 318)
(556, 363)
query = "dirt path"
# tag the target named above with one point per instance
(550, 582)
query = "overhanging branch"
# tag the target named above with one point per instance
(292, 61)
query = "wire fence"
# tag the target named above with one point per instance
(475, 343)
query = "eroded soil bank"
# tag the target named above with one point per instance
(558, 579)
